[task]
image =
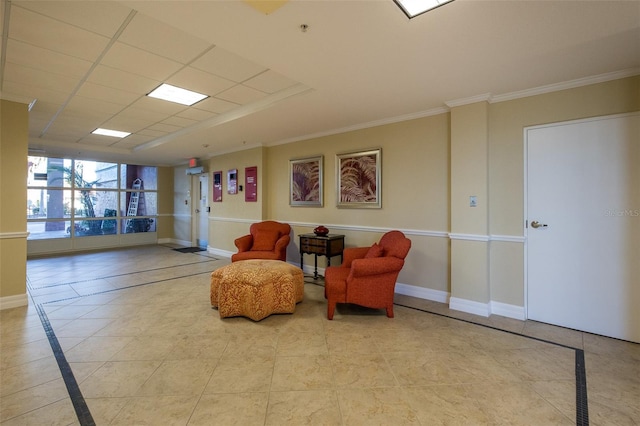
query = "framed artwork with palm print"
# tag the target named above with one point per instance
(305, 185)
(359, 179)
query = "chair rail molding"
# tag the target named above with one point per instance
(13, 235)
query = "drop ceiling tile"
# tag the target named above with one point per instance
(36, 125)
(140, 62)
(122, 80)
(42, 94)
(63, 137)
(179, 121)
(54, 35)
(143, 114)
(40, 116)
(81, 104)
(78, 121)
(152, 133)
(132, 141)
(65, 132)
(167, 128)
(46, 60)
(196, 114)
(42, 108)
(102, 17)
(269, 82)
(200, 81)
(126, 123)
(216, 105)
(100, 140)
(38, 78)
(158, 106)
(164, 40)
(107, 94)
(228, 65)
(241, 95)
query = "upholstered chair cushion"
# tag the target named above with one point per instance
(265, 240)
(374, 251)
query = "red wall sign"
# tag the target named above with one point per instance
(251, 183)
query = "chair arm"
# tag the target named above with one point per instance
(349, 254)
(244, 243)
(375, 266)
(282, 243)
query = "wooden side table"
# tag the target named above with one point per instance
(329, 246)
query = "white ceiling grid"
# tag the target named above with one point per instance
(91, 63)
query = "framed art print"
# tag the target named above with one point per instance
(305, 182)
(359, 179)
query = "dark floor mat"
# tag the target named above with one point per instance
(189, 249)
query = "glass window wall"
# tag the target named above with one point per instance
(77, 198)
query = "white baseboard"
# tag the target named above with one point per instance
(423, 293)
(509, 311)
(470, 306)
(220, 252)
(16, 301)
(185, 243)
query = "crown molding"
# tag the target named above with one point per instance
(485, 97)
(367, 125)
(540, 90)
(571, 84)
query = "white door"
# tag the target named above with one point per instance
(583, 258)
(202, 211)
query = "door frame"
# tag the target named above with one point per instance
(195, 204)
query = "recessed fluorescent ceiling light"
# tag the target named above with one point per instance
(414, 8)
(177, 94)
(108, 132)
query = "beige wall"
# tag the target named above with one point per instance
(164, 226)
(13, 220)
(469, 156)
(469, 225)
(232, 217)
(507, 121)
(415, 194)
(419, 179)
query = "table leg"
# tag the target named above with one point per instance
(315, 273)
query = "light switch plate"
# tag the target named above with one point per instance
(473, 201)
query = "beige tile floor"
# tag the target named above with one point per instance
(145, 347)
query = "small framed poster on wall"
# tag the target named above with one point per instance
(217, 186)
(251, 183)
(232, 181)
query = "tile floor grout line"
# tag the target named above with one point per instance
(77, 399)
(492, 327)
(123, 274)
(122, 288)
(580, 370)
(582, 403)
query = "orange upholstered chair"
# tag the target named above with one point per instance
(267, 240)
(367, 276)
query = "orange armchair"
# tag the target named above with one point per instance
(266, 240)
(367, 276)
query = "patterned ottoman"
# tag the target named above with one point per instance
(256, 288)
